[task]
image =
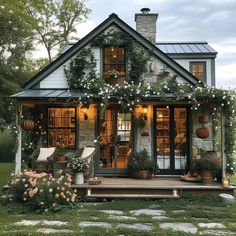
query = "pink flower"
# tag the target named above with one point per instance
(62, 189)
(50, 190)
(26, 185)
(56, 195)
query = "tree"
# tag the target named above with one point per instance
(56, 20)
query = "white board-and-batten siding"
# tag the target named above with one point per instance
(57, 79)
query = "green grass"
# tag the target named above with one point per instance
(5, 172)
(233, 179)
(197, 209)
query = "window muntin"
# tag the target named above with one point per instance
(114, 65)
(198, 69)
(61, 127)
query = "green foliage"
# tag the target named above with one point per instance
(55, 20)
(81, 71)
(42, 192)
(7, 146)
(142, 161)
(137, 54)
(78, 164)
(207, 163)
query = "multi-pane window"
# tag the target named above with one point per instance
(61, 127)
(198, 69)
(114, 65)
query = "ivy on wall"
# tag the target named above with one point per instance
(81, 76)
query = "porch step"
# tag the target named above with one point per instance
(130, 196)
(137, 193)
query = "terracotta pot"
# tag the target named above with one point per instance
(203, 119)
(206, 177)
(27, 124)
(202, 132)
(142, 174)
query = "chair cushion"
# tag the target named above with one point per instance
(87, 152)
(44, 153)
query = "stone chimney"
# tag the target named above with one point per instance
(146, 24)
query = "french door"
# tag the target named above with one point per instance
(115, 142)
(171, 137)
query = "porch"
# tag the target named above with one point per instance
(157, 187)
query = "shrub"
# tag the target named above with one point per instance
(78, 164)
(43, 192)
(7, 146)
(142, 161)
(207, 163)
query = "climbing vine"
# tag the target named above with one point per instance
(81, 76)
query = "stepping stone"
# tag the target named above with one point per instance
(149, 212)
(112, 212)
(211, 225)
(28, 222)
(228, 198)
(160, 217)
(183, 227)
(53, 231)
(54, 222)
(140, 227)
(154, 206)
(178, 211)
(114, 217)
(84, 224)
(218, 232)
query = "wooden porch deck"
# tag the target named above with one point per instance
(158, 187)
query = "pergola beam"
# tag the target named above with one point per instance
(19, 139)
(223, 156)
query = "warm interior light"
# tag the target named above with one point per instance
(85, 111)
(145, 109)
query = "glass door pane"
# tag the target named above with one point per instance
(123, 139)
(180, 132)
(107, 140)
(163, 137)
(115, 146)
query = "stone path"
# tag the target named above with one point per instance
(140, 227)
(184, 227)
(148, 212)
(211, 225)
(121, 220)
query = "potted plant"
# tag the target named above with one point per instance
(141, 166)
(78, 166)
(207, 166)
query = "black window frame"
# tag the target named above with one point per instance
(68, 127)
(125, 59)
(192, 63)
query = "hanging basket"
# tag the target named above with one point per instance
(203, 119)
(27, 124)
(202, 132)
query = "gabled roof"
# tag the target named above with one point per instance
(112, 19)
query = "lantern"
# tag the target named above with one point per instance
(225, 182)
(27, 125)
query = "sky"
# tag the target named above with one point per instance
(213, 21)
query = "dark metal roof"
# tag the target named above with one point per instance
(198, 47)
(48, 93)
(112, 19)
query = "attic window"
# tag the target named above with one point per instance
(114, 65)
(198, 69)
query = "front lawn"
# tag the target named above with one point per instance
(186, 210)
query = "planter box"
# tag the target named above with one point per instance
(142, 174)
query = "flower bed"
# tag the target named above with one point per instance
(42, 192)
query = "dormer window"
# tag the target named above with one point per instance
(198, 69)
(114, 65)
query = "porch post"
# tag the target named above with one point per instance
(223, 156)
(19, 135)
